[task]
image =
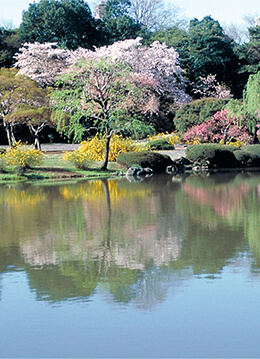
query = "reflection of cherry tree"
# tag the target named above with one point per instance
(134, 234)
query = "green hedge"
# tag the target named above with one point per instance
(156, 161)
(224, 156)
(248, 156)
(197, 112)
(221, 156)
(160, 144)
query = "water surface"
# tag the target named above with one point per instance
(161, 268)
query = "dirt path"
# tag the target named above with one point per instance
(61, 147)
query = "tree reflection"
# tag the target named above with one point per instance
(134, 240)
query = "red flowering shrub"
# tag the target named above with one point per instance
(219, 128)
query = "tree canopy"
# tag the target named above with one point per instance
(67, 22)
(116, 23)
(205, 50)
(16, 91)
(9, 45)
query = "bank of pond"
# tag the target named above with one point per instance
(137, 165)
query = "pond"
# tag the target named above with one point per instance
(166, 267)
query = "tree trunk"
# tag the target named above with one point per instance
(37, 144)
(108, 138)
(9, 133)
(13, 140)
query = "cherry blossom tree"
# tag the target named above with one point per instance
(157, 61)
(42, 62)
(104, 95)
(220, 127)
(210, 87)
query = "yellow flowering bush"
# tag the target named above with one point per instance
(236, 143)
(94, 149)
(193, 141)
(78, 158)
(172, 138)
(23, 156)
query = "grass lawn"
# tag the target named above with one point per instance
(54, 168)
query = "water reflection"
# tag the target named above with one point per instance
(133, 240)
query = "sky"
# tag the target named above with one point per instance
(225, 11)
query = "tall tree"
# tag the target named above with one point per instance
(105, 94)
(249, 57)
(9, 45)
(253, 49)
(251, 102)
(155, 14)
(210, 51)
(44, 62)
(67, 22)
(117, 25)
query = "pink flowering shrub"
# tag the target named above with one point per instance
(219, 128)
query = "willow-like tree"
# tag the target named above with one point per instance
(249, 109)
(101, 94)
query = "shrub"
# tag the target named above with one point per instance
(94, 149)
(2, 161)
(254, 149)
(156, 161)
(248, 156)
(220, 128)
(196, 112)
(22, 156)
(80, 159)
(172, 138)
(221, 156)
(246, 159)
(160, 144)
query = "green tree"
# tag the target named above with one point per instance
(67, 22)
(249, 57)
(205, 50)
(253, 50)
(116, 24)
(104, 95)
(35, 117)
(173, 37)
(249, 108)
(209, 51)
(9, 45)
(17, 91)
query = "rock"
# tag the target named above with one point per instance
(135, 174)
(179, 165)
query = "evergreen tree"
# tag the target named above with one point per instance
(67, 22)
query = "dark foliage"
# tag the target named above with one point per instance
(156, 161)
(67, 22)
(196, 112)
(219, 156)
